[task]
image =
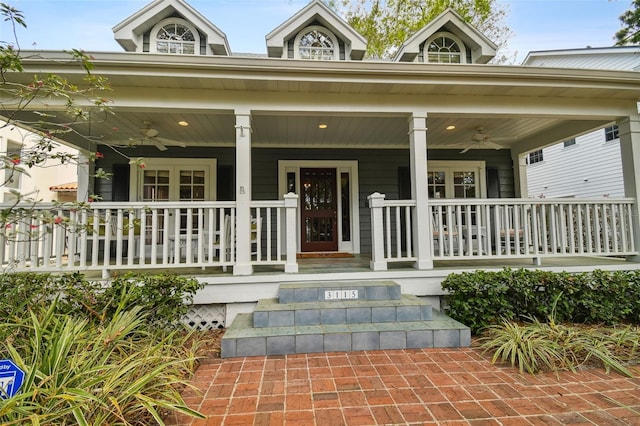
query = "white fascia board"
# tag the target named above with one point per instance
(315, 10)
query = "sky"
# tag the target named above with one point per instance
(87, 24)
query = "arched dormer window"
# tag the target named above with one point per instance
(175, 36)
(316, 43)
(444, 48)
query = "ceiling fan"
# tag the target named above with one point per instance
(481, 140)
(149, 135)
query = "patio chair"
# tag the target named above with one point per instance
(511, 239)
(441, 235)
(222, 245)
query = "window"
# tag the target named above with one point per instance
(451, 179)
(611, 133)
(569, 142)
(535, 157)
(443, 49)
(175, 37)
(316, 43)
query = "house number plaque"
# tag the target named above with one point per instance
(340, 294)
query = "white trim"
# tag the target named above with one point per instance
(153, 35)
(316, 10)
(479, 167)
(445, 34)
(173, 164)
(305, 31)
(351, 167)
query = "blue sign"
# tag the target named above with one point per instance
(11, 378)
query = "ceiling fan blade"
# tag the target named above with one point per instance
(172, 142)
(158, 145)
(493, 145)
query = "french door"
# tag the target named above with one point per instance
(319, 214)
(173, 180)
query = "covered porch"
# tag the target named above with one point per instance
(227, 192)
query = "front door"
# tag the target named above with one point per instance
(319, 215)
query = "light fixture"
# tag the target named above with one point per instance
(451, 127)
(183, 123)
(322, 126)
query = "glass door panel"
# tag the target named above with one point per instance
(464, 184)
(319, 210)
(437, 184)
(155, 187)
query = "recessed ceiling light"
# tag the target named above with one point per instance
(183, 123)
(451, 127)
(322, 126)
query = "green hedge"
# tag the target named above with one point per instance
(479, 299)
(163, 299)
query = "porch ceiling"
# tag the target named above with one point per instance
(295, 130)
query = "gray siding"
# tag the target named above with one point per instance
(377, 170)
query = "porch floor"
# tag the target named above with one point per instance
(359, 265)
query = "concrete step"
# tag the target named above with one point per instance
(242, 339)
(270, 313)
(338, 291)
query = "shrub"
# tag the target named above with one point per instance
(480, 299)
(78, 372)
(538, 346)
(162, 298)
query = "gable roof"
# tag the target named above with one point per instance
(316, 10)
(129, 32)
(482, 49)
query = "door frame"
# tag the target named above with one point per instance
(342, 166)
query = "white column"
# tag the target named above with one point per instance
(243, 194)
(519, 162)
(86, 170)
(376, 204)
(419, 190)
(629, 131)
(291, 225)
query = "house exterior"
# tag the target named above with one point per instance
(415, 167)
(49, 181)
(588, 165)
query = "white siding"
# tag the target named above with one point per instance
(590, 168)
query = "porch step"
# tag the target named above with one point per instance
(338, 291)
(344, 316)
(270, 313)
(242, 339)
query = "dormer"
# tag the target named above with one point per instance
(171, 27)
(447, 39)
(316, 32)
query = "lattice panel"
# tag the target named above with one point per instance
(206, 317)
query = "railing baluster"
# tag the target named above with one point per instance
(268, 242)
(407, 230)
(279, 235)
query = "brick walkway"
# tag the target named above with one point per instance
(421, 386)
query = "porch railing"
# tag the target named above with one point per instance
(505, 228)
(117, 236)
